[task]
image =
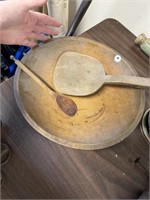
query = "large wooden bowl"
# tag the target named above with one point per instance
(102, 119)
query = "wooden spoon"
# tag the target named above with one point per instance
(81, 75)
(66, 104)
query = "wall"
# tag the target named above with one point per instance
(133, 14)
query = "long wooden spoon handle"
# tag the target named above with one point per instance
(66, 104)
(127, 80)
(29, 72)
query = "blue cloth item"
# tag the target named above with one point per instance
(22, 50)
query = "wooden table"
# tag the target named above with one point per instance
(41, 169)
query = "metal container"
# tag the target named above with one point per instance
(145, 124)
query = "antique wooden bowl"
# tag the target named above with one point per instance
(103, 119)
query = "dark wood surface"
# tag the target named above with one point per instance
(41, 169)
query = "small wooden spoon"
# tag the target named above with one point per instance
(82, 75)
(66, 104)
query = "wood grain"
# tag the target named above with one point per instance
(65, 103)
(102, 119)
(41, 169)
